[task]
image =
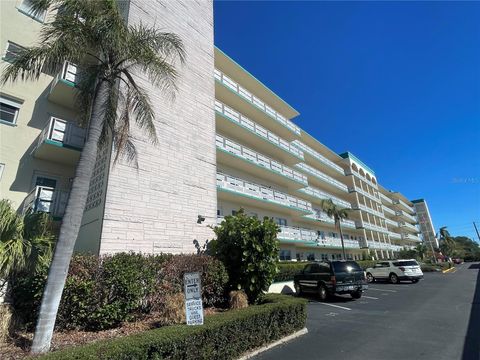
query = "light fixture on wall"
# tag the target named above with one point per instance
(200, 219)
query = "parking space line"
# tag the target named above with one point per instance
(337, 306)
(370, 297)
(370, 288)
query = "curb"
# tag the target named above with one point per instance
(448, 270)
(272, 345)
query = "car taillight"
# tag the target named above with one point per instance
(402, 268)
(333, 280)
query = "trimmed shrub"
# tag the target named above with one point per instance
(287, 270)
(365, 264)
(102, 292)
(223, 336)
(248, 248)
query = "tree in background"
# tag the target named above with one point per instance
(94, 35)
(447, 244)
(338, 214)
(248, 248)
(421, 250)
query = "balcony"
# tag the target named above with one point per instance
(385, 199)
(387, 210)
(406, 216)
(242, 158)
(391, 222)
(409, 227)
(394, 235)
(369, 210)
(257, 195)
(411, 237)
(60, 141)
(63, 90)
(313, 238)
(373, 227)
(318, 156)
(362, 178)
(322, 178)
(46, 199)
(404, 206)
(321, 216)
(319, 194)
(364, 193)
(244, 128)
(238, 96)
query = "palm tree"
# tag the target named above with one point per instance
(421, 250)
(447, 243)
(338, 214)
(94, 35)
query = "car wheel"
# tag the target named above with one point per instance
(393, 279)
(370, 278)
(322, 293)
(298, 289)
(356, 294)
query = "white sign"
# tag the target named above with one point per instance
(193, 298)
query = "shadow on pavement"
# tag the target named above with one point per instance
(331, 299)
(471, 348)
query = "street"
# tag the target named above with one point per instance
(437, 318)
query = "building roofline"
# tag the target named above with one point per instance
(348, 154)
(275, 101)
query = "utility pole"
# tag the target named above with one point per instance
(475, 226)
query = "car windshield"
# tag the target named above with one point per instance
(346, 266)
(406, 263)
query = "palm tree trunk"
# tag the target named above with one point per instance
(70, 226)
(341, 238)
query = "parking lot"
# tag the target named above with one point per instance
(437, 318)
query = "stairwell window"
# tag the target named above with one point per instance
(26, 7)
(9, 110)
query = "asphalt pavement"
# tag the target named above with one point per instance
(437, 318)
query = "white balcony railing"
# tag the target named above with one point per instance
(46, 199)
(246, 188)
(258, 130)
(63, 132)
(312, 191)
(404, 204)
(320, 215)
(364, 193)
(362, 178)
(386, 199)
(259, 160)
(318, 156)
(407, 225)
(307, 235)
(372, 227)
(387, 210)
(410, 237)
(394, 235)
(391, 222)
(408, 216)
(320, 175)
(371, 211)
(252, 99)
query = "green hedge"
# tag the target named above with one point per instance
(365, 264)
(223, 336)
(287, 270)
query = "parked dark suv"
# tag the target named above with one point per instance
(332, 277)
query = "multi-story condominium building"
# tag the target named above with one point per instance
(227, 142)
(425, 223)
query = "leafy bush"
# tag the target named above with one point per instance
(102, 292)
(365, 264)
(248, 248)
(287, 270)
(224, 336)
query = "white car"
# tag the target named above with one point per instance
(395, 271)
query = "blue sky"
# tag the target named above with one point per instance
(408, 72)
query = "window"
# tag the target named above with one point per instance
(281, 221)
(285, 255)
(12, 51)
(310, 256)
(347, 266)
(324, 257)
(2, 167)
(234, 212)
(9, 110)
(26, 8)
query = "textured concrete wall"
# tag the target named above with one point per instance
(154, 208)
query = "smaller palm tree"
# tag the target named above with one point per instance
(338, 214)
(447, 244)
